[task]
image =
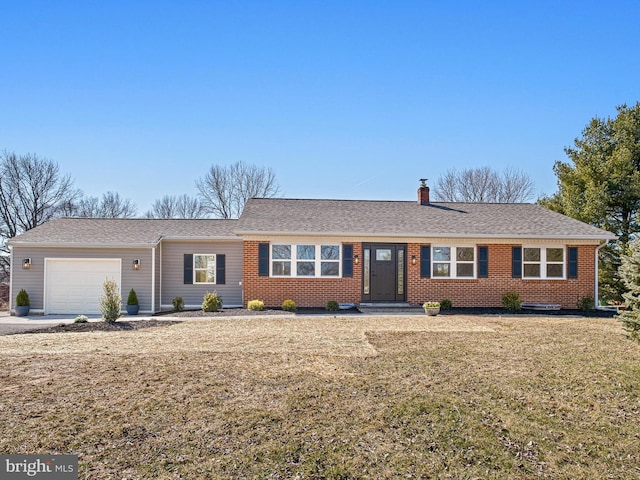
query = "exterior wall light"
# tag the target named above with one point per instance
(136, 264)
(414, 260)
(26, 263)
(356, 259)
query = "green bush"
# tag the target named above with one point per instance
(333, 306)
(446, 304)
(211, 302)
(110, 302)
(511, 301)
(255, 305)
(289, 305)
(132, 299)
(586, 303)
(178, 304)
(22, 299)
(80, 319)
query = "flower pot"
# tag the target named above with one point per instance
(133, 309)
(432, 311)
(22, 311)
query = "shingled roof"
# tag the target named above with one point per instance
(410, 219)
(118, 232)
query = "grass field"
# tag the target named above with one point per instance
(330, 397)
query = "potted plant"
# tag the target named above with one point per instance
(132, 303)
(431, 308)
(22, 303)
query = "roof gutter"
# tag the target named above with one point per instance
(505, 236)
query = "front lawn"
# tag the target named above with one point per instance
(330, 397)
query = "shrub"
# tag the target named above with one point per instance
(511, 301)
(178, 304)
(211, 302)
(446, 304)
(289, 305)
(22, 299)
(80, 319)
(132, 299)
(586, 303)
(333, 306)
(110, 302)
(255, 305)
(431, 305)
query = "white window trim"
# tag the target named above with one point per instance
(453, 267)
(543, 262)
(215, 273)
(294, 260)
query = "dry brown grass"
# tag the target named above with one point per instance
(330, 397)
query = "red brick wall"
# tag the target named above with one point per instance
(306, 292)
(487, 292)
(481, 292)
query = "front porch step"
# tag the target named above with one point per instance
(390, 308)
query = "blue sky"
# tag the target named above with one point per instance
(343, 99)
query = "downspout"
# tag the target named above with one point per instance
(597, 296)
(153, 280)
(10, 279)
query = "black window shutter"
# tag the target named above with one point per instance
(573, 262)
(425, 261)
(347, 260)
(483, 261)
(220, 266)
(263, 259)
(188, 268)
(516, 262)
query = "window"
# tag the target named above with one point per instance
(204, 268)
(306, 260)
(366, 271)
(453, 262)
(281, 255)
(441, 261)
(543, 263)
(330, 264)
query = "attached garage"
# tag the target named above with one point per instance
(74, 285)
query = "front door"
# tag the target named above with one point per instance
(384, 272)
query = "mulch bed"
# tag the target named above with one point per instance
(225, 312)
(101, 326)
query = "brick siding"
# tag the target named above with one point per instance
(481, 292)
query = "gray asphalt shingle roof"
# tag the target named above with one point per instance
(404, 218)
(123, 232)
(324, 217)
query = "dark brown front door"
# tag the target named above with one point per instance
(384, 272)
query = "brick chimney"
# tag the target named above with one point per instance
(423, 192)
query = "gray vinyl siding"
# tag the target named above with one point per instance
(32, 280)
(173, 272)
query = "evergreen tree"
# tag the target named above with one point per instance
(630, 274)
(601, 186)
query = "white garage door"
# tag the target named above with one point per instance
(75, 285)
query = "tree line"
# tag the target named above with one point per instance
(34, 191)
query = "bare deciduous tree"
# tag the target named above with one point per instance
(32, 192)
(182, 206)
(111, 205)
(225, 190)
(484, 185)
